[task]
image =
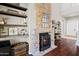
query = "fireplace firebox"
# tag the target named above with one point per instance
(45, 41)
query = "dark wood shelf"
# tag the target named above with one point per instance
(12, 14)
(13, 25)
(13, 6)
(13, 35)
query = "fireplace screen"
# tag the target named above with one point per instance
(45, 41)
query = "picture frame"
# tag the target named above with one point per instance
(22, 31)
(13, 31)
(4, 31)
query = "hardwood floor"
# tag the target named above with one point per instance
(66, 47)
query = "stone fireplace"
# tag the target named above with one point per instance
(41, 38)
(44, 41)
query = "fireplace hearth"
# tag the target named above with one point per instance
(45, 41)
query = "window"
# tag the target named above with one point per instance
(44, 20)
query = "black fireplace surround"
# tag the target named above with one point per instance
(45, 41)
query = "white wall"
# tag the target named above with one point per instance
(56, 8)
(56, 15)
(32, 25)
(69, 9)
(65, 6)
